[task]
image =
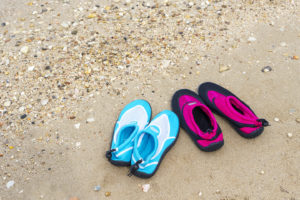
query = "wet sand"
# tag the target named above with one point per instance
(89, 59)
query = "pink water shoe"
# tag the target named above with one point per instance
(238, 113)
(197, 119)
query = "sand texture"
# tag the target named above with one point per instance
(68, 67)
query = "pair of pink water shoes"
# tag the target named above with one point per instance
(196, 117)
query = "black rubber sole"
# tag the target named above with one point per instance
(249, 135)
(145, 175)
(212, 147)
(207, 86)
(122, 163)
(176, 109)
(119, 163)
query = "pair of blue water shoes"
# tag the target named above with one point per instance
(141, 144)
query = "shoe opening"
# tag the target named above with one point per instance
(240, 109)
(202, 119)
(145, 145)
(125, 134)
(237, 109)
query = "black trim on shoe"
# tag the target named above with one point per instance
(119, 163)
(263, 122)
(213, 146)
(133, 168)
(253, 134)
(114, 162)
(194, 136)
(108, 153)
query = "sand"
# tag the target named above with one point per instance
(89, 63)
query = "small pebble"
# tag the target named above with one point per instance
(91, 119)
(47, 67)
(9, 184)
(290, 135)
(191, 3)
(266, 69)
(251, 39)
(121, 67)
(107, 194)
(44, 102)
(7, 103)
(23, 116)
(24, 49)
(65, 24)
(283, 44)
(166, 63)
(92, 15)
(146, 187)
(223, 68)
(298, 120)
(21, 109)
(200, 194)
(97, 188)
(77, 125)
(30, 68)
(292, 111)
(3, 24)
(74, 32)
(78, 144)
(262, 172)
(276, 119)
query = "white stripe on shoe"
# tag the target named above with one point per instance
(149, 164)
(124, 151)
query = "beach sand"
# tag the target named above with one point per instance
(88, 59)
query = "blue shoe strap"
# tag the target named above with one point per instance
(154, 132)
(129, 139)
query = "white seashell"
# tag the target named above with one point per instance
(251, 39)
(9, 184)
(146, 187)
(44, 102)
(7, 103)
(91, 119)
(77, 125)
